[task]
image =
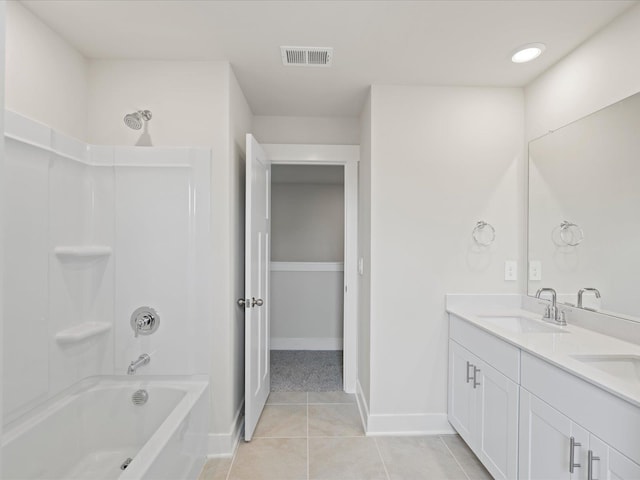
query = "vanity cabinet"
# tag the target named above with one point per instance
(546, 440)
(552, 446)
(462, 397)
(555, 406)
(483, 408)
(527, 418)
(607, 463)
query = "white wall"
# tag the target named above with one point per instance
(240, 123)
(188, 101)
(46, 78)
(307, 130)
(598, 73)
(307, 307)
(442, 158)
(364, 253)
(307, 223)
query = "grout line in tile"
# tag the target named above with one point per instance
(233, 458)
(384, 465)
(454, 457)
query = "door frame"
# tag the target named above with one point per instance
(347, 156)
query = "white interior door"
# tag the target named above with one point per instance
(257, 382)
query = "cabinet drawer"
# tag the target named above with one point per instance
(614, 420)
(500, 355)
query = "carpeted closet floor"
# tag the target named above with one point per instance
(306, 370)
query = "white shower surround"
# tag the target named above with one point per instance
(89, 430)
(97, 232)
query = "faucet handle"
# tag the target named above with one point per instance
(562, 318)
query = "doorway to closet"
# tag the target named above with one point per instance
(307, 277)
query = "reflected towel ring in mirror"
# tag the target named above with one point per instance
(479, 235)
(571, 234)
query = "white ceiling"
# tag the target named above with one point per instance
(386, 42)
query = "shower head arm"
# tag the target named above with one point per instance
(146, 114)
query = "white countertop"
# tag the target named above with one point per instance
(557, 348)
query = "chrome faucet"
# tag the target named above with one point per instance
(581, 292)
(552, 311)
(142, 360)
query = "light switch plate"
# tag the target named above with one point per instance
(361, 266)
(510, 270)
(535, 270)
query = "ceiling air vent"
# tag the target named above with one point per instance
(307, 56)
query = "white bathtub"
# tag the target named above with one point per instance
(92, 428)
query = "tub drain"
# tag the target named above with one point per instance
(125, 464)
(140, 397)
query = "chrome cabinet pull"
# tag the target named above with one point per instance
(590, 459)
(469, 377)
(475, 372)
(572, 445)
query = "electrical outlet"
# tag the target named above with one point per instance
(510, 270)
(535, 270)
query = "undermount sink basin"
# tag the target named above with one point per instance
(520, 324)
(626, 367)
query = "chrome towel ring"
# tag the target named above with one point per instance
(571, 234)
(478, 230)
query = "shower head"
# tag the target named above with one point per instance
(137, 119)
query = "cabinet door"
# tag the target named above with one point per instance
(544, 450)
(609, 464)
(497, 422)
(461, 393)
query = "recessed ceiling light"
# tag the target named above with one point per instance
(528, 52)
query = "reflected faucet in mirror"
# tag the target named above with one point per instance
(581, 293)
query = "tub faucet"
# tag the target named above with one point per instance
(552, 311)
(142, 360)
(581, 292)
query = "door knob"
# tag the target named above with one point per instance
(242, 303)
(259, 302)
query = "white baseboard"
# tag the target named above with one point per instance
(401, 424)
(284, 343)
(225, 444)
(409, 424)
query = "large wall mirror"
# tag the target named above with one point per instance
(584, 210)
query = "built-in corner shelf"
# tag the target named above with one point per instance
(82, 332)
(82, 253)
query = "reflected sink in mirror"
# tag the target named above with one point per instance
(626, 367)
(520, 324)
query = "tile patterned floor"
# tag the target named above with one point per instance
(319, 436)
